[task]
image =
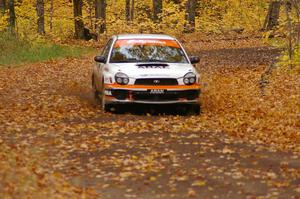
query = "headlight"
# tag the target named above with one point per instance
(189, 79)
(122, 78)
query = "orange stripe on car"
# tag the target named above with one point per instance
(146, 42)
(109, 97)
(187, 87)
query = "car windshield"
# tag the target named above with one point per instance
(147, 50)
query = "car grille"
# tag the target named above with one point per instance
(120, 94)
(146, 96)
(156, 81)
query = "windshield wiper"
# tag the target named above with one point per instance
(153, 60)
(133, 60)
(130, 60)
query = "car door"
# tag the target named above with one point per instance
(100, 66)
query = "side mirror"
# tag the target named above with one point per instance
(194, 59)
(100, 59)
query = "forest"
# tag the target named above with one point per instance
(69, 18)
(62, 21)
(56, 142)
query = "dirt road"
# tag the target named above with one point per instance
(48, 108)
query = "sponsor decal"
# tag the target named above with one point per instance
(146, 42)
(157, 91)
(107, 79)
(107, 92)
(153, 67)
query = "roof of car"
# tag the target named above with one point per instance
(145, 36)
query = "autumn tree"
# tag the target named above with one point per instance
(157, 10)
(100, 11)
(40, 9)
(12, 16)
(127, 10)
(132, 10)
(2, 5)
(51, 14)
(90, 8)
(296, 5)
(79, 25)
(190, 15)
(272, 17)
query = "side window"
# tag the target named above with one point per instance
(107, 48)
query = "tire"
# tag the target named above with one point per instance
(104, 106)
(193, 109)
(97, 98)
(95, 92)
(197, 109)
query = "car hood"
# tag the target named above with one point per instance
(152, 70)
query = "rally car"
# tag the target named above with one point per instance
(146, 69)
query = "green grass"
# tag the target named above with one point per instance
(15, 50)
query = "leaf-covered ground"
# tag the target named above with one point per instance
(245, 144)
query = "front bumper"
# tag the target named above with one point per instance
(179, 94)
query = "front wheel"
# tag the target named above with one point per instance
(97, 97)
(105, 107)
(197, 109)
(193, 109)
(96, 93)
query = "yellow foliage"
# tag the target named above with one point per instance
(248, 14)
(21, 176)
(233, 102)
(3, 21)
(213, 16)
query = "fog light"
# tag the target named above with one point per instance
(122, 78)
(189, 78)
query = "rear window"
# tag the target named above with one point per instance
(147, 50)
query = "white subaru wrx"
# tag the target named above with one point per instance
(146, 69)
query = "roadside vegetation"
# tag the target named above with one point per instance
(236, 103)
(257, 101)
(23, 176)
(17, 50)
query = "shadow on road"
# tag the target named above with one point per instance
(153, 110)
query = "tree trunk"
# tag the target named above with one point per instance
(132, 11)
(12, 16)
(79, 25)
(271, 20)
(127, 10)
(40, 10)
(101, 16)
(51, 14)
(157, 10)
(2, 5)
(290, 29)
(90, 11)
(295, 4)
(190, 15)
